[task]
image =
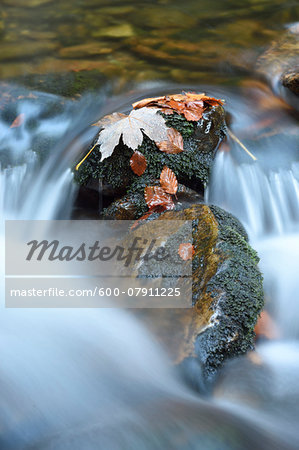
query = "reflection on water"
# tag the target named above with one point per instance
(132, 40)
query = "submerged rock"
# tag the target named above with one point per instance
(280, 62)
(227, 294)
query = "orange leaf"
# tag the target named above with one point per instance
(186, 251)
(168, 181)
(138, 163)
(147, 102)
(189, 104)
(193, 114)
(19, 120)
(266, 327)
(175, 143)
(156, 196)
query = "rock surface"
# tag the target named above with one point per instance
(280, 61)
(227, 294)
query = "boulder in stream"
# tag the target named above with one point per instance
(227, 293)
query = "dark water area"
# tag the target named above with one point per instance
(215, 42)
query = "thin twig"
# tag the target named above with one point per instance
(237, 140)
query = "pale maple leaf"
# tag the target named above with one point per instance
(130, 129)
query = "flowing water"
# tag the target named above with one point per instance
(85, 379)
(96, 379)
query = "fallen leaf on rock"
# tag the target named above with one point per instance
(168, 181)
(130, 128)
(156, 196)
(174, 144)
(138, 163)
(109, 119)
(186, 251)
(19, 120)
(189, 104)
(147, 102)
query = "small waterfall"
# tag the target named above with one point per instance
(90, 379)
(266, 201)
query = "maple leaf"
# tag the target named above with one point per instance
(19, 120)
(186, 251)
(174, 144)
(156, 196)
(130, 128)
(168, 181)
(138, 163)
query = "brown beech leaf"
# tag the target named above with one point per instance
(19, 120)
(138, 163)
(156, 196)
(189, 104)
(168, 181)
(147, 102)
(186, 251)
(174, 144)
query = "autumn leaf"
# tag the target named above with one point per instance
(174, 144)
(186, 251)
(156, 196)
(189, 104)
(138, 163)
(130, 128)
(19, 120)
(266, 326)
(147, 102)
(168, 181)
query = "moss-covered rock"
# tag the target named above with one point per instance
(191, 167)
(227, 293)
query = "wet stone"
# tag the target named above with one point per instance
(227, 293)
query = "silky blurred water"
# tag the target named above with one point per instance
(87, 379)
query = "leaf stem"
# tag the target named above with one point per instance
(86, 156)
(237, 140)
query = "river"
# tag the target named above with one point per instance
(96, 378)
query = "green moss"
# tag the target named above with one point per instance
(192, 166)
(237, 291)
